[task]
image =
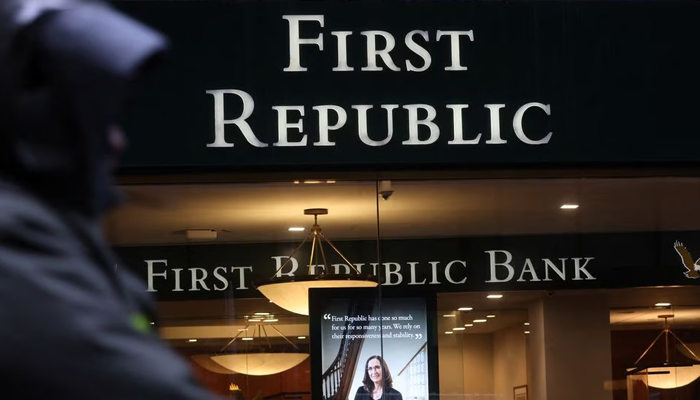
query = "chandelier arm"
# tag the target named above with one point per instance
(235, 337)
(649, 348)
(311, 256)
(291, 255)
(683, 344)
(339, 253)
(284, 337)
(323, 254)
(267, 339)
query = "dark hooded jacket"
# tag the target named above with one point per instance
(72, 325)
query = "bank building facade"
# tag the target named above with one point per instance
(459, 200)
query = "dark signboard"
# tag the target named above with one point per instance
(273, 84)
(415, 266)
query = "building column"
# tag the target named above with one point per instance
(569, 348)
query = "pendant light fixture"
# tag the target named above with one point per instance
(292, 292)
(255, 355)
(669, 374)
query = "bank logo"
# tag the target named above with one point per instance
(693, 267)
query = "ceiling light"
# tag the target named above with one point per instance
(569, 206)
(270, 320)
(468, 324)
(494, 296)
(479, 320)
(527, 332)
(314, 181)
(247, 338)
(255, 319)
(201, 234)
(296, 229)
(464, 309)
(192, 340)
(292, 292)
(153, 323)
(448, 315)
(448, 332)
(459, 328)
(261, 313)
(527, 324)
(663, 304)
(301, 337)
(260, 364)
(491, 316)
(666, 375)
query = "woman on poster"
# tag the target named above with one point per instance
(377, 382)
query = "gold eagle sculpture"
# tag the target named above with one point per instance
(693, 268)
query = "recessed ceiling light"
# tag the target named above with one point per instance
(494, 296)
(663, 304)
(448, 315)
(261, 313)
(301, 337)
(527, 324)
(254, 319)
(468, 324)
(270, 320)
(192, 340)
(153, 323)
(448, 332)
(296, 229)
(479, 320)
(491, 316)
(464, 309)
(459, 328)
(569, 206)
(527, 332)
(247, 338)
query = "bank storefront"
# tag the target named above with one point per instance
(497, 199)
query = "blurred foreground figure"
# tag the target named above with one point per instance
(71, 326)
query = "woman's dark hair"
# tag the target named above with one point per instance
(386, 375)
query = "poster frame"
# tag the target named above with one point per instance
(317, 300)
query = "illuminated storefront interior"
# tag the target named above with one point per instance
(485, 347)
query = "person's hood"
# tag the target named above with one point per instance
(66, 69)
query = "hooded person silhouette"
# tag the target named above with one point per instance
(71, 325)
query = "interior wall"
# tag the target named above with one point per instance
(477, 358)
(536, 362)
(509, 361)
(451, 367)
(570, 348)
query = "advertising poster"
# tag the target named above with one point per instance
(369, 346)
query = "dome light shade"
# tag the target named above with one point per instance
(293, 294)
(672, 377)
(260, 363)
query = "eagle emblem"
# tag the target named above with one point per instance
(693, 267)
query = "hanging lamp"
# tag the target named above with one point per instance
(258, 356)
(669, 374)
(292, 292)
